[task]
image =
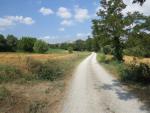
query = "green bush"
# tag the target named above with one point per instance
(9, 73)
(49, 70)
(26, 44)
(70, 50)
(40, 46)
(4, 93)
(102, 58)
(137, 51)
(136, 73)
(107, 49)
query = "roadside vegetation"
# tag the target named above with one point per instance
(33, 76)
(33, 73)
(123, 44)
(26, 73)
(119, 41)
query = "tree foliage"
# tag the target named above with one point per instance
(118, 31)
(40, 46)
(12, 43)
(139, 1)
(26, 44)
(2, 43)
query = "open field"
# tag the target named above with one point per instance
(21, 95)
(131, 59)
(19, 59)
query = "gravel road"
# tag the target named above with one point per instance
(93, 90)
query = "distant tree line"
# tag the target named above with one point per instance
(25, 44)
(78, 45)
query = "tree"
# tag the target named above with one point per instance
(139, 1)
(12, 43)
(138, 42)
(26, 44)
(3, 45)
(111, 24)
(70, 49)
(64, 46)
(40, 46)
(79, 45)
(88, 44)
(96, 34)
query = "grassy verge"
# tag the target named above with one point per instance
(50, 50)
(37, 86)
(135, 75)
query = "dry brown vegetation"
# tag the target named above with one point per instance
(35, 96)
(130, 59)
(19, 58)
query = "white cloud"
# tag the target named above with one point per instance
(64, 13)
(81, 14)
(82, 35)
(27, 20)
(8, 21)
(136, 7)
(66, 23)
(61, 29)
(4, 23)
(46, 11)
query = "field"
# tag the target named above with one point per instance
(18, 59)
(131, 59)
(20, 94)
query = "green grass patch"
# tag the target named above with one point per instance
(50, 50)
(134, 73)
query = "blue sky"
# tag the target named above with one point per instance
(50, 20)
(54, 20)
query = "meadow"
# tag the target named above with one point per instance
(35, 83)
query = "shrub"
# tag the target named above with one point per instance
(49, 70)
(102, 58)
(40, 46)
(8, 73)
(137, 51)
(136, 73)
(107, 49)
(33, 66)
(26, 44)
(70, 50)
(4, 93)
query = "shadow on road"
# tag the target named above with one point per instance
(126, 94)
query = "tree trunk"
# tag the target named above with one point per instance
(118, 49)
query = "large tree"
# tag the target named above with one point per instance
(111, 24)
(11, 42)
(3, 45)
(26, 44)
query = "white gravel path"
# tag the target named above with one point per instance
(93, 90)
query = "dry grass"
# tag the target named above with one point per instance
(130, 59)
(18, 59)
(36, 96)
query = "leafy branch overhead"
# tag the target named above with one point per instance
(114, 29)
(139, 1)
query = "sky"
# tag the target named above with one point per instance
(54, 20)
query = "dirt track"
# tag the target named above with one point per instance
(93, 90)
